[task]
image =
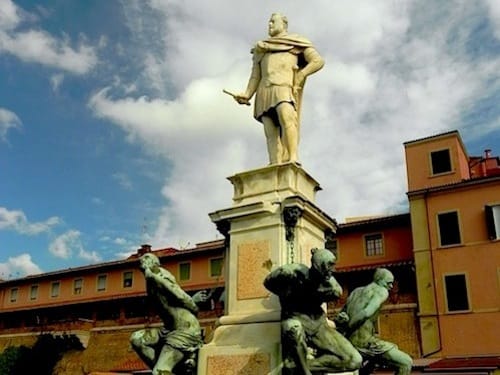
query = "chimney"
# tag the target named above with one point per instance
(487, 153)
(144, 249)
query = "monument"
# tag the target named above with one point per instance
(273, 219)
(276, 286)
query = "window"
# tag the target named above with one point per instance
(128, 278)
(216, 265)
(441, 162)
(374, 245)
(333, 246)
(77, 286)
(55, 288)
(101, 283)
(493, 221)
(34, 292)
(184, 271)
(449, 230)
(456, 293)
(14, 292)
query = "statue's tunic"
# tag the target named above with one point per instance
(275, 61)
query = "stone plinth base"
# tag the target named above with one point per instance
(242, 349)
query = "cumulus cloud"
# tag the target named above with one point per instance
(17, 221)
(18, 266)
(8, 120)
(38, 46)
(395, 71)
(69, 243)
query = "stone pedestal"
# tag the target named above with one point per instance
(273, 221)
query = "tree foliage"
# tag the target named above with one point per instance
(40, 358)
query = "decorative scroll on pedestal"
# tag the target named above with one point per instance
(291, 216)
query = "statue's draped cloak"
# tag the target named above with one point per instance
(269, 96)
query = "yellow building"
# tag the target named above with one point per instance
(455, 216)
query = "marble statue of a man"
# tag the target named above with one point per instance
(281, 64)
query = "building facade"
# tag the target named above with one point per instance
(455, 215)
(444, 254)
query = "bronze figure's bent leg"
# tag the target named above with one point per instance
(144, 342)
(335, 351)
(294, 347)
(399, 360)
(168, 359)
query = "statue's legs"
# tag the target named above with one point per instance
(144, 342)
(288, 120)
(399, 360)
(273, 140)
(168, 359)
(335, 352)
(294, 347)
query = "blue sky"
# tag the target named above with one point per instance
(114, 130)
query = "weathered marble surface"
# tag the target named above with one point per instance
(281, 64)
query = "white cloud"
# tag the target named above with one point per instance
(494, 8)
(39, 46)
(90, 256)
(9, 15)
(17, 221)
(18, 266)
(120, 241)
(395, 71)
(69, 243)
(8, 120)
(56, 80)
(63, 245)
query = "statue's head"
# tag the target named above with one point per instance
(150, 261)
(384, 278)
(278, 24)
(322, 262)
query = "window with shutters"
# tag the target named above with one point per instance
(493, 221)
(374, 244)
(184, 271)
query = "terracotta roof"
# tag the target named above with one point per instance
(373, 266)
(161, 253)
(466, 363)
(403, 219)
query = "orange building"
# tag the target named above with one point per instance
(455, 214)
(386, 241)
(103, 302)
(444, 253)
